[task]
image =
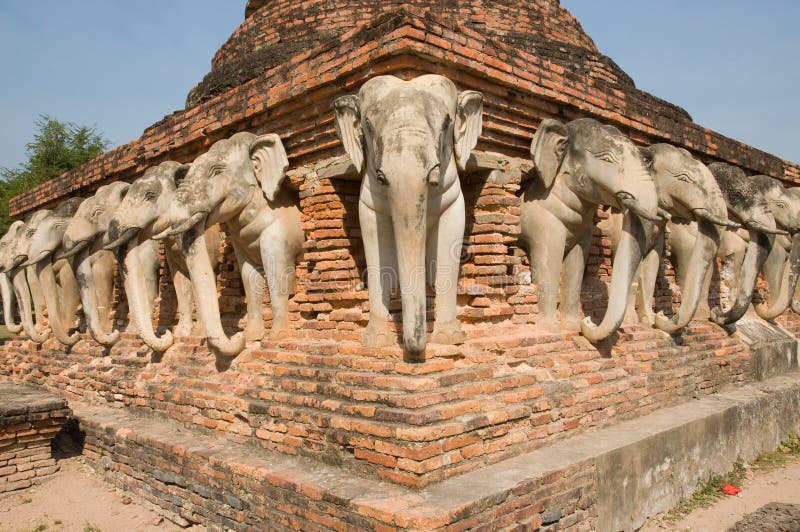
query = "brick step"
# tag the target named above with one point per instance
(191, 392)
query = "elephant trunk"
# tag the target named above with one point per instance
(626, 262)
(703, 254)
(90, 304)
(136, 292)
(788, 284)
(204, 286)
(410, 242)
(44, 271)
(8, 304)
(20, 281)
(754, 258)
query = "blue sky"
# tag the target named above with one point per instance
(122, 65)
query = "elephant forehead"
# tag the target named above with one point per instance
(594, 136)
(407, 107)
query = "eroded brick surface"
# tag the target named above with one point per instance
(29, 420)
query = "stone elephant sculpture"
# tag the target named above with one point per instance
(26, 285)
(7, 244)
(581, 165)
(747, 247)
(131, 229)
(782, 266)
(238, 183)
(691, 203)
(56, 276)
(84, 239)
(410, 139)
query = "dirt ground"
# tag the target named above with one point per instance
(780, 485)
(76, 499)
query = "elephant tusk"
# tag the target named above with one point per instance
(630, 203)
(761, 228)
(193, 220)
(30, 262)
(664, 215)
(18, 260)
(79, 246)
(124, 237)
(703, 214)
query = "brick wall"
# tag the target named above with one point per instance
(29, 420)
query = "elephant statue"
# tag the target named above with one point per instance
(691, 204)
(56, 277)
(131, 229)
(238, 183)
(782, 266)
(84, 239)
(26, 285)
(748, 247)
(7, 244)
(410, 139)
(581, 165)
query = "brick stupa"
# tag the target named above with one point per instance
(319, 432)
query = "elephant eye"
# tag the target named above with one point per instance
(780, 204)
(606, 156)
(97, 212)
(150, 195)
(215, 171)
(686, 178)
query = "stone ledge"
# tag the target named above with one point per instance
(636, 467)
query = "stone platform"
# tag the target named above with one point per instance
(503, 393)
(29, 420)
(608, 479)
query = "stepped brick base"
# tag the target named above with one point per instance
(610, 479)
(505, 392)
(29, 420)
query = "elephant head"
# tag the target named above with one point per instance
(580, 165)
(146, 200)
(90, 224)
(130, 228)
(747, 206)
(238, 178)
(62, 298)
(26, 284)
(780, 271)
(84, 238)
(7, 245)
(687, 189)
(410, 138)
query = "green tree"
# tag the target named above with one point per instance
(56, 147)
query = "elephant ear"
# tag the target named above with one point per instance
(269, 163)
(548, 147)
(649, 158)
(180, 173)
(469, 124)
(348, 128)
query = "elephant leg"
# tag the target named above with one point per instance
(70, 297)
(546, 258)
(279, 265)
(574, 266)
(773, 270)
(103, 266)
(379, 249)
(253, 283)
(444, 261)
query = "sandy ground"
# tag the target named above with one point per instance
(779, 485)
(76, 499)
